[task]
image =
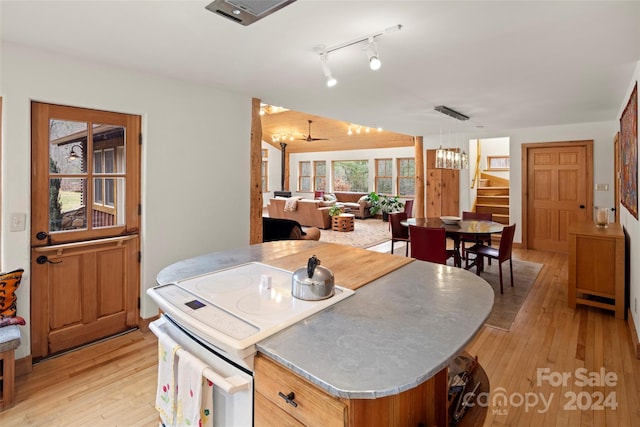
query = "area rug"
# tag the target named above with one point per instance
(366, 232)
(507, 305)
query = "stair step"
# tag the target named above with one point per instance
(493, 200)
(493, 209)
(493, 191)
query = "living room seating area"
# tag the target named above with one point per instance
(315, 213)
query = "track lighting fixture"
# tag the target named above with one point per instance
(371, 51)
(372, 54)
(327, 72)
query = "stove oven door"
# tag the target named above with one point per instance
(233, 386)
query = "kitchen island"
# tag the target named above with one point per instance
(394, 337)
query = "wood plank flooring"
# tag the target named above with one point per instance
(112, 383)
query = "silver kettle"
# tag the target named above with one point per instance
(312, 283)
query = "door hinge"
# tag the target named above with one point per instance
(139, 209)
(140, 139)
(139, 256)
(138, 303)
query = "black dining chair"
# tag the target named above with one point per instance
(430, 244)
(474, 238)
(501, 253)
(399, 232)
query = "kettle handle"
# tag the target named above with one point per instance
(311, 265)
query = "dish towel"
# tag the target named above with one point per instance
(166, 392)
(195, 393)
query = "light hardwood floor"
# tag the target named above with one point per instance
(112, 383)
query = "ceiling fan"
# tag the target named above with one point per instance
(308, 138)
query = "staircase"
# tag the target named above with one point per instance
(493, 197)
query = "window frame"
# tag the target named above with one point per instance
(492, 167)
(400, 177)
(378, 175)
(317, 176)
(301, 163)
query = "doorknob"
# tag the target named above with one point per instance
(42, 259)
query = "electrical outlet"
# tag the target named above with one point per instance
(18, 221)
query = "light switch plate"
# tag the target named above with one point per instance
(18, 221)
(602, 187)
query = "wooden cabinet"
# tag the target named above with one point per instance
(443, 189)
(596, 266)
(422, 405)
(295, 399)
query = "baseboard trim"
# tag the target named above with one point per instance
(143, 324)
(634, 333)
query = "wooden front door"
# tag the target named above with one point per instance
(557, 181)
(85, 193)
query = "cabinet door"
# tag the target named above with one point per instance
(595, 269)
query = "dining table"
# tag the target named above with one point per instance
(456, 229)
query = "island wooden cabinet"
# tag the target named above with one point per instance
(596, 266)
(283, 398)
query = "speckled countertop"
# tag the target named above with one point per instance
(392, 335)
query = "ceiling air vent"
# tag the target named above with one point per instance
(246, 12)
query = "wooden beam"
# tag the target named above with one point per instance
(419, 155)
(255, 192)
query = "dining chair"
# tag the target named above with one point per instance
(474, 238)
(408, 207)
(430, 244)
(501, 254)
(399, 232)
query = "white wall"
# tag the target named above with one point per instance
(195, 158)
(630, 223)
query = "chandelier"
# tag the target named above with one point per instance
(451, 157)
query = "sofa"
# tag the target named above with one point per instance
(354, 201)
(286, 229)
(309, 213)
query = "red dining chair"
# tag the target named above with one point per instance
(501, 254)
(474, 238)
(408, 207)
(430, 244)
(399, 232)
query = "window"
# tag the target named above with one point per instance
(384, 176)
(350, 175)
(104, 191)
(498, 163)
(406, 177)
(304, 176)
(320, 176)
(265, 170)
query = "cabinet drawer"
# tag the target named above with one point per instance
(267, 414)
(314, 406)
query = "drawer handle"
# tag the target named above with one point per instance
(289, 398)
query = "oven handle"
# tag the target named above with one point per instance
(230, 385)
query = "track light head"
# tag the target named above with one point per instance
(372, 54)
(331, 81)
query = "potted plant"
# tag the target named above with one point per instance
(390, 204)
(374, 199)
(335, 210)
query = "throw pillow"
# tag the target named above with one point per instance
(330, 197)
(8, 321)
(9, 282)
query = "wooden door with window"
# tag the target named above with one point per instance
(85, 191)
(557, 181)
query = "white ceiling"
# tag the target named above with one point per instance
(506, 64)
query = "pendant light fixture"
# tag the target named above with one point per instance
(451, 158)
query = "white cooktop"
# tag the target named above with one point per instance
(235, 308)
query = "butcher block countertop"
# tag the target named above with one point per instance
(409, 321)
